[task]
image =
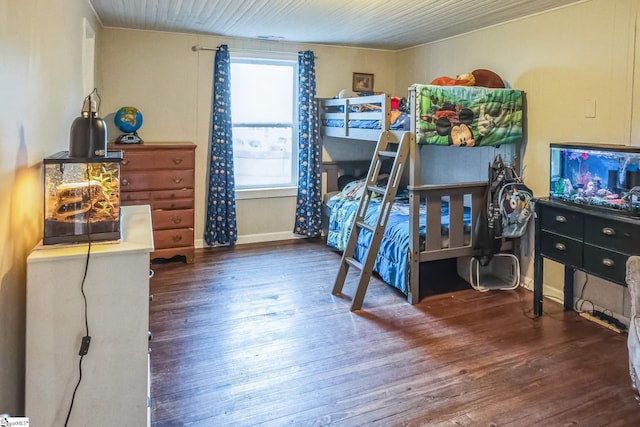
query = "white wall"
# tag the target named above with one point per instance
(171, 84)
(560, 59)
(41, 92)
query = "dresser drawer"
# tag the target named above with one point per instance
(163, 239)
(614, 235)
(180, 193)
(157, 180)
(174, 159)
(152, 158)
(135, 197)
(607, 264)
(172, 199)
(562, 221)
(166, 219)
(562, 249)
(169, 204)
(136, 160)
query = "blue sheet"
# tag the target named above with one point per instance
(401, 122)
(392, 260)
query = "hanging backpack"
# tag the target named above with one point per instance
(485, 244)
(516, 207)
(509, 206)
(511, 203)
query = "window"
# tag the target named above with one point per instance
(262, 112)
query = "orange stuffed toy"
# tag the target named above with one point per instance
(462, 80)
(479, 77)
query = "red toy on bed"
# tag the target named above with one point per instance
(479, 77)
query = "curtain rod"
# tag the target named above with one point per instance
(197, 48)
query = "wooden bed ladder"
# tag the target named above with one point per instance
(384, 150)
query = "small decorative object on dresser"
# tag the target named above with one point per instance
(161, 174)
(128, 120)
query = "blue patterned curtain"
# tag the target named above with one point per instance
(220, 225)
(308, 209)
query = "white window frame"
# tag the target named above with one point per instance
(284, 190)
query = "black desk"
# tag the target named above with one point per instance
(592, 240)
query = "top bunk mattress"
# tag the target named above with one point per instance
(470, 116)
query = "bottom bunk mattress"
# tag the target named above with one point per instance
(392, 261)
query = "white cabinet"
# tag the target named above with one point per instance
(115, 372)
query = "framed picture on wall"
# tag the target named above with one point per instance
(362, 82)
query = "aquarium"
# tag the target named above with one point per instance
(601, 176)
(81, 198)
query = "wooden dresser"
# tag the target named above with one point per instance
(161, 174)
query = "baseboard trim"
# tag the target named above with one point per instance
(557, 295)
(257, 238)
(547, 291)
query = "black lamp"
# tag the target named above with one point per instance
(88, 136)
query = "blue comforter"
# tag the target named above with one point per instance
(392, 261)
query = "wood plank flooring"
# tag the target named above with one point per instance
(252, 336)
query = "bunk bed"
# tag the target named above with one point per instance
(362, 117)
(428, 222)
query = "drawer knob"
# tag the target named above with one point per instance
(561, 218)
(608, 262)
(560, 247)
(176, 238)
(177, 180)
(176, 219)
(124, 182)
(609, 231)
(177, 161)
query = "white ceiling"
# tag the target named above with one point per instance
(382, 24)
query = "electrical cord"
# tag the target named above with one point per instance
(73, 397)
(581, 299)
(86, 326)
(528, 313)
(84, 347)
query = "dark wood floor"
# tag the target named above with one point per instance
(252, 336)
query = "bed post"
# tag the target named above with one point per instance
(413, 291)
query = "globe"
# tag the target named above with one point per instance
(128, 119)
